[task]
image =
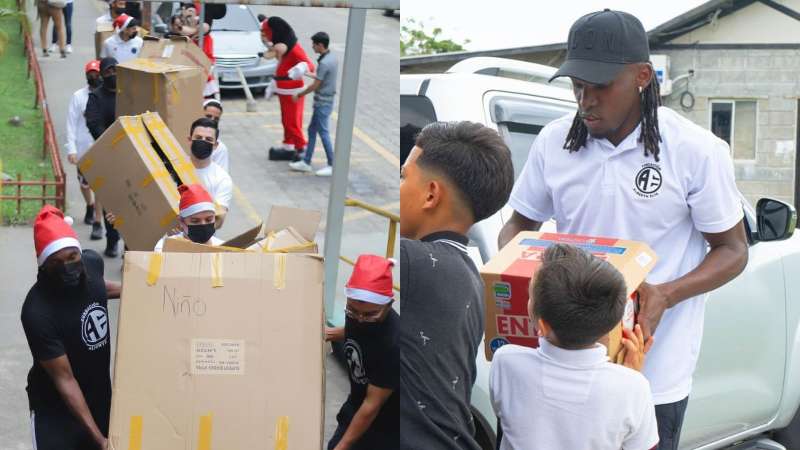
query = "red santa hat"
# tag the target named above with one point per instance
(122, 21)
(52, 232)
(194, 199)
(371, 280)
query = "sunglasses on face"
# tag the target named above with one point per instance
(365, 317)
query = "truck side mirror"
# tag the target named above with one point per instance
(776, 220)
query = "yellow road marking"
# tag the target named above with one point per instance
(360, 213)
(245, 204)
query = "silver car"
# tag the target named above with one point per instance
(237, 43)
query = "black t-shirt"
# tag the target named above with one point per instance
(373, 357)
(75, 323)
(441, 330)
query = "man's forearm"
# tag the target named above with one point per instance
(113, 289)
(359, 425)
(721, 265)
(73, 396)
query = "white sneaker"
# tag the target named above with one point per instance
(300, 166)
(53, 48)
(325, 171)
(69, 48)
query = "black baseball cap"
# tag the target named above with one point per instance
(601, 43)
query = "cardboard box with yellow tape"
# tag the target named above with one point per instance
(175, 92)
(507, 278)
(219, 351)
(134, 168)
(103, 32)
(178, 50)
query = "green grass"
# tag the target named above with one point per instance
(20, 147)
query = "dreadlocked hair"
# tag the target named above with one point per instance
(650, 135)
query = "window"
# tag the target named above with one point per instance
(734, 121)
(520, 120)
(416, 111)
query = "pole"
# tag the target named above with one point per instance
(341, 159)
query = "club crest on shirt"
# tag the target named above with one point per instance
(648, 181)
(355, 362)
(94, 326)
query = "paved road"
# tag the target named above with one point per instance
(260, 183)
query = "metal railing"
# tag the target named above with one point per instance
(49, 145)
(394, 219)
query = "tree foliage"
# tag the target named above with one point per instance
(414, 40)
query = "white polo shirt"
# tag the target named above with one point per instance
(552, 398)
(602, 190)
(220, 156)
(78, 137)
(121, 50)
(218, 183)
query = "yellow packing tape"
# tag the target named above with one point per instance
(174, 153)
(118, 221)
(156, 259)
(135, 440)
(155, 175)
(282, 433)
(279, 271)
(204, 433)
(85, 165)
(291, 248)
(216, 270)
(118, 137)
(97, 183)
(155, 90)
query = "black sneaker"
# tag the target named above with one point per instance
(111, 250)
(88, 218)
(97, 232)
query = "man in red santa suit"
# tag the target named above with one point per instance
(293, 63)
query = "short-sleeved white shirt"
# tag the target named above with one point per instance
(552, 398)
(220, 156)
(608, 191)
(218, 183)
(121, 50)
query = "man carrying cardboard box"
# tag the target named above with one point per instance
(456, 175)
(67, 327)
(124, 44)
(370, 418)
(196, 218)
(100, 114)
(566, 394)
(203, 136)
(627, 168)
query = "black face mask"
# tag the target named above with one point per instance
(110, 82)
(66, 276)
(362, 327)
(93, 82)
(202, 149)
(201, 233)
(135, 33)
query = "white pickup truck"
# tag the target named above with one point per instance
(746, 391)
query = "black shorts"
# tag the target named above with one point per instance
(82, 179)
(59, 430)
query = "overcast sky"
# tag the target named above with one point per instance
(518, 23)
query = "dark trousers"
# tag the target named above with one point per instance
(67, 24)
(57, 429)
(670, 420)
(112, 235)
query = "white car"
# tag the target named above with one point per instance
(744, 390)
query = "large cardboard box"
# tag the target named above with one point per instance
(507, 278)
(134, 169)
(175, 92)
(219, 351)
(178, 50)
(103, 32)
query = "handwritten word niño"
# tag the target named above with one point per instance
(182, 305)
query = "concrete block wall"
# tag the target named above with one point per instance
(771, 77)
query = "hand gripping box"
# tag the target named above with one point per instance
(507, 277)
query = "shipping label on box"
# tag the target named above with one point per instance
(508, 275)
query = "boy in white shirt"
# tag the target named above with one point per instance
(196, 217)
(213, 111)
(566, 394)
